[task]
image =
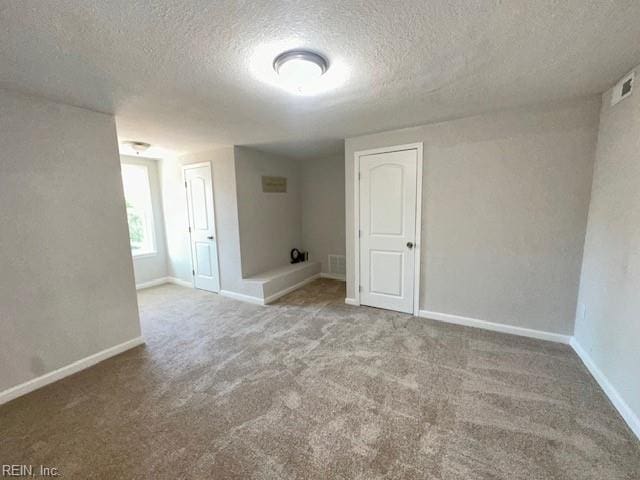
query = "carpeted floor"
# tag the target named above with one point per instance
(311, 388)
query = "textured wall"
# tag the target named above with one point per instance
(323, 208)
(609, 330)
(270, 223)
(151, 267)
(66, 278)
(505, 199)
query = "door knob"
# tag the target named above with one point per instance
(210, 237)
(410, 244)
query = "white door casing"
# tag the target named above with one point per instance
(388, 227)
(202, 232)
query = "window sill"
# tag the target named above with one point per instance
(143, 255)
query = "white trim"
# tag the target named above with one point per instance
(178, 281)
(333, 276)
(142, 255)
(616, 399)
(282, 293)
(356, 225)
(163, 281)
(418, 146)
(152, 283)
(242, 297)
(495, 327)
(60, 373)
(393, 148)
(418, 234)
(352, 301)
(195, 165)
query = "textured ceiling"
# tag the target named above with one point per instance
(185, 75)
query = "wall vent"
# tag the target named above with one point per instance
(337, 265)
(623, 88)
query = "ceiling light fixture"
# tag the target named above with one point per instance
(300, 69)
(137, 147)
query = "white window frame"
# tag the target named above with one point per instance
(150, 226)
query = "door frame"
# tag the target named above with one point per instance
(215, 223)
(356, 214)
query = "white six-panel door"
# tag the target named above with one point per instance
(388, 190)
(204, 254)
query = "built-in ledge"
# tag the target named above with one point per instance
(277, 282)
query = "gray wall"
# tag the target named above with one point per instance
(223, 172)
(505, 201)
(323, 222)
(151, 267)
(270, 223)
(66, 278)
(609, 329)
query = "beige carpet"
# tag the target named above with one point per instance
(311, 388)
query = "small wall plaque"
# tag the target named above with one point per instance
(274, 184)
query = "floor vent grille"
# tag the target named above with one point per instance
(337, 264)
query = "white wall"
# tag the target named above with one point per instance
(152, 266)
(505, 200)
(223, 171)
(175, 219)
(270, 223)
(608, 314)
(323, 221)
(66, 279)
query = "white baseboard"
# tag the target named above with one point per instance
(163, 281)
(496, 327)
(242, 297)
(282, 293)
(60, 373)
(178, 281)
(333, 276)
(616, 399)
(152, 283)
(351, 301)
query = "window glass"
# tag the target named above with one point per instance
(137, 194)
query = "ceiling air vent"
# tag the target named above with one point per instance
(622, 89)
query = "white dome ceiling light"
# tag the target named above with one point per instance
(145, 150)
(300, 70)
(137, 147)
(270, 63)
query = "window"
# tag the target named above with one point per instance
(137, 194)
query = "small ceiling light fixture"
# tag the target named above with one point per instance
(137, 147)
(300, 69)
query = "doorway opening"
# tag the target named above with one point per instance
(387, 210)
(202, 231)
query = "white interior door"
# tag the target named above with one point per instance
(388, 190)
(204, 251)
